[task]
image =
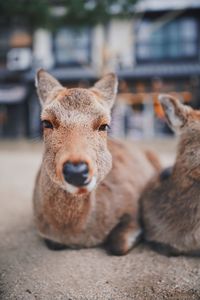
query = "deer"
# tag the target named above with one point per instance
(88, 185)
(170, 203)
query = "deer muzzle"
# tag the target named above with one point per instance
(76, 174)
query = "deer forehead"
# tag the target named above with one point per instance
(76, 107)
(79, 98)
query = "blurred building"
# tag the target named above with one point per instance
(157, 50)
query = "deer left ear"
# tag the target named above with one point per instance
(107, 86)
(175, 112)
(45, 84)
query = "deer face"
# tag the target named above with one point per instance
(75, 123)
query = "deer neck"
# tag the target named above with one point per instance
(187, 165)
(72, 210)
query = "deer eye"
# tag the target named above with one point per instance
(103, 127)
(47, 124)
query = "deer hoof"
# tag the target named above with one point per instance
(54, 245)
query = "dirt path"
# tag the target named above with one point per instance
(28, 270)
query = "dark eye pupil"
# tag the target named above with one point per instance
(103, 127)
(47, 124)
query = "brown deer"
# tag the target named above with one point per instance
(170, 204)
(88, 186)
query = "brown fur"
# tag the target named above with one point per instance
(86, 218)
(170, 205)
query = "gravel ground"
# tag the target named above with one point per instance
(28, 270)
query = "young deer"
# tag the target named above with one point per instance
(170, 204)
(88, 186)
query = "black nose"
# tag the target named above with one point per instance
(76, 173)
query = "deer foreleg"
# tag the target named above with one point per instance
(124, 236)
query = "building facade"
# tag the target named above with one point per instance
(157, 50)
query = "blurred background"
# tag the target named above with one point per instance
(152, 45)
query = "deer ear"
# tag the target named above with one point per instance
(107, 86)
(45, 84)
(175, 112)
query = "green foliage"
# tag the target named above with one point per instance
(82, 12)
(32, 12)
(97, 11)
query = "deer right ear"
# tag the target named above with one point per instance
(175, 112)
(45, 84)
(107, 86)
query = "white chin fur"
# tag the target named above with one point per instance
(74, 189)
(91, 185)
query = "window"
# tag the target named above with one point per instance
(15, 38)
(72, 46)
(175, 40)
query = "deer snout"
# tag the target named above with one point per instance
(76, 174)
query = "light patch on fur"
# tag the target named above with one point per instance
(133, 238)
(36, 81)
(91, 185)
(174, 119)
(71, 188)
(115, 87)
(176, 122)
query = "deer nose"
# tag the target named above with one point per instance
(76, 173)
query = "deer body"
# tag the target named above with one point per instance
(170, 207)
(87, 184)
(86, 220)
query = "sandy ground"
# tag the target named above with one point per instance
(28, 270)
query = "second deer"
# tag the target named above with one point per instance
(170, 204)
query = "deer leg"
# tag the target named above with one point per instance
(124, 236)
(54, 245)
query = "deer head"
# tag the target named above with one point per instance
(186, 122)
(75, 123)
